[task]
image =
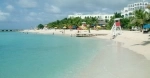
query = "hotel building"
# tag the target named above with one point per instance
(99, 16)
(128, 11)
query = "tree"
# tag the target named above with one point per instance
(139, 18)
(125, 23)
(148, 6)
(72, 22)
(117, 15)
(40, 26)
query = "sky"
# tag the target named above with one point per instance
(25, 14)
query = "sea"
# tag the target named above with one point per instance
(30, 55)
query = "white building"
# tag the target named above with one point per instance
(99, 16)
(128, 11)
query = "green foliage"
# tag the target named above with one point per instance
(139, 18)
(72, 22)
(40, 26)
(125, 23)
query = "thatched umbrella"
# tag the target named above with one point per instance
(55, 28)
(64, 28)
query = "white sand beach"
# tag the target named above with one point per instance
(132, 62)
(133, 40)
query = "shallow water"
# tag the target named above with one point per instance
(56, 56)
(117, 62)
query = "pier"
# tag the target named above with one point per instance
(9, 30)
(88, 34)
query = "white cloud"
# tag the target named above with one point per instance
(52, 8)
(15, 20)
(27, 3)
(33, 14)
(33, 18)
(10, 7)
(3, 16)
(40, 19)
(29, 18)
(104, 9)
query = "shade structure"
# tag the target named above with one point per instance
(74, 27)
(146, 26)
(64, 27)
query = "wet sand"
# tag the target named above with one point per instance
(127, 57)
(117, 62)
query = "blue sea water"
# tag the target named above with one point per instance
(60, 56)
(43, 56)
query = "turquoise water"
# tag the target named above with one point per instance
(59, 56)
(43, 56)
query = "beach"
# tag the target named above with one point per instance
(133, 40)
(126, 57)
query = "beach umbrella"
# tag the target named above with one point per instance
(103, 25)
(64, 27)
(98, 26)
(55, 28)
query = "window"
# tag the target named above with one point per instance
(130, 13)
(145, 3)
(105, 16)
(134, 4)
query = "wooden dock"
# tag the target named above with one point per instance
(10, 30)
(88, 34)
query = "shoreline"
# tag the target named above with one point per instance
(132, 40)
(135, 41)
(127, 54)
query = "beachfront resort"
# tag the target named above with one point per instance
(135, 15)
(80, 45)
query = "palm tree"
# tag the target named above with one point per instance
(148, 6)
(148, 14)
(139, 18)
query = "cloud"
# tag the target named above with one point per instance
(10, 7)
(15, 20)
(29, 18)
(104, 9)
(88, 6)
(27, 3)
(33, 14)
(33, 18)
(52, 8)
(3, 16)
